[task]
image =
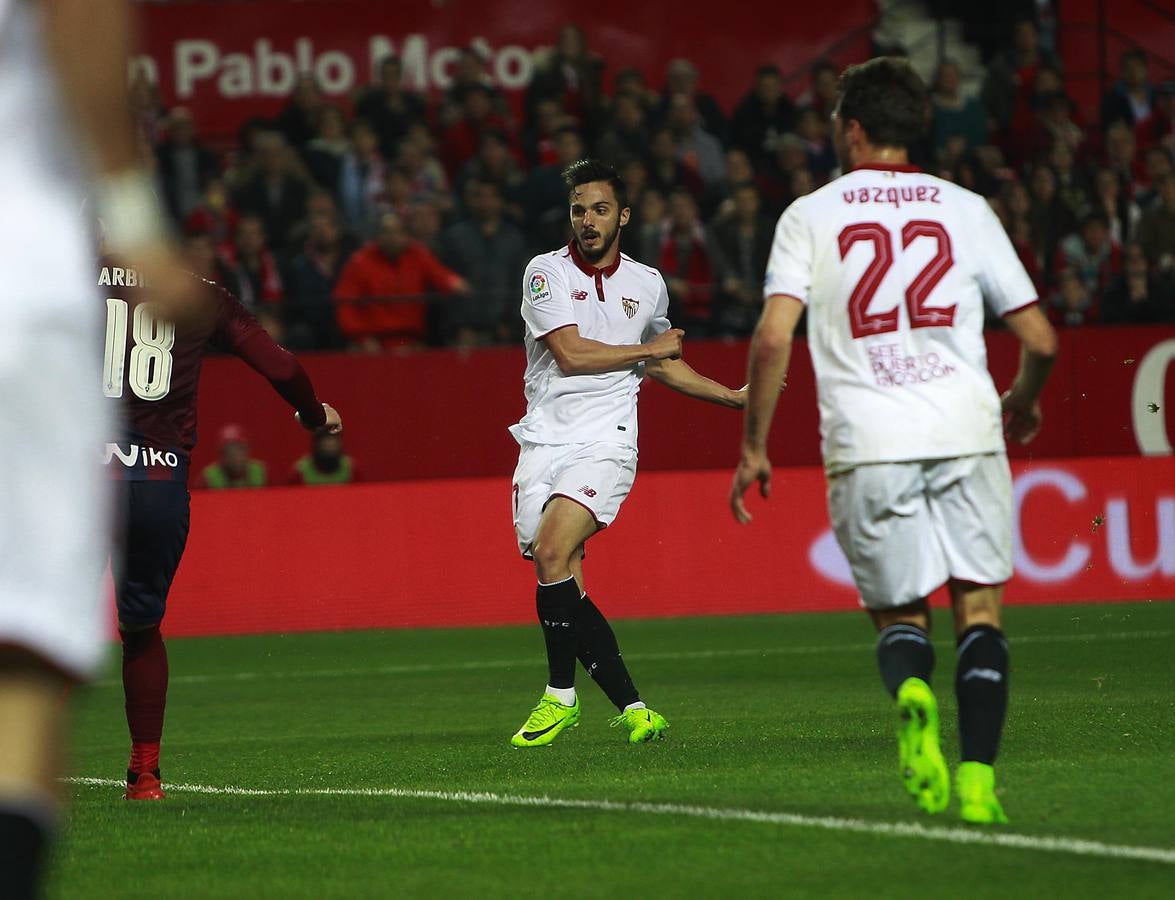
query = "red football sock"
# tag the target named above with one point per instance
(144, 680)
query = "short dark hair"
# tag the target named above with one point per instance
(768, 69)
(888, 98)
(585, 171)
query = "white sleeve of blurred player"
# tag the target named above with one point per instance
(1006, 286)
(789, 268)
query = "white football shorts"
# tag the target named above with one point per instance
(597, 476)
(54, 526)
(908, 527)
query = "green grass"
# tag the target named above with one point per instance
(801, 727)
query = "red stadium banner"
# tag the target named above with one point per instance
(228, 62)
(442, 553)
(444, 414)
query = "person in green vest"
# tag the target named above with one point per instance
(326, 463)
(234, 468)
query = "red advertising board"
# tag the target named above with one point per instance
(442, 553)
(444, 413)
(230, 61)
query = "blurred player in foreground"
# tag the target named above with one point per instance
(151, 370)
(66, 134)
(893, 266)
(596, 323)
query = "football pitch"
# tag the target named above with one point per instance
(376, 764)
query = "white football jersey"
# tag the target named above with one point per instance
(893, 266)
(624, 304)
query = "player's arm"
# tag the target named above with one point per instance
(683, 378)
(88, 43)
(241, 334)
(577, 355)
(1038, 352)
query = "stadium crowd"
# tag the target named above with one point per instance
(403, 220)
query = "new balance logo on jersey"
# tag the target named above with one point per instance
(630, 306)
(150, 456)
(587, 491)
(579, 295)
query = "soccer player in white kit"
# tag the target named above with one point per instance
(893, 267)
(63, 72)
(596, 323)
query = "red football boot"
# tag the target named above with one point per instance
(143, 786)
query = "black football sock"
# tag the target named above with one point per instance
(23, 841)
(981, 686)
(557, 605)
(600, 655)
(904, 651)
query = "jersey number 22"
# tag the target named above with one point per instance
(150, 362)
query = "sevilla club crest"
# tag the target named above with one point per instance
(630, 306)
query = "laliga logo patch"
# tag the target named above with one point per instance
(630, 306)
(538, 287)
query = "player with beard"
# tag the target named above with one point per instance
(596, 324)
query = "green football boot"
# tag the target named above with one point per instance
(924, 771)
(975, 782)
(642, 724)
(545, 722)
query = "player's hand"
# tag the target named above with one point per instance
(742, 395)
(1022, 419)
(751, 468)
(333, 424)
(667, 345)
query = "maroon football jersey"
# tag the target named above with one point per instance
(151, 368)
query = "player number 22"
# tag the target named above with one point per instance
(150, 362)
(865, 323)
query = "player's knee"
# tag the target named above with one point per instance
(552, 561)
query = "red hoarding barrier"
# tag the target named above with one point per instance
(228, 62)
(444, 414)
(442, 553)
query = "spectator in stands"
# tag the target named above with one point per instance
(636, 179)
(426, 176)
(185, 165)
(763, 115)
(822, 94)
(1050, 220)
(1072, 185)
(201, 256)
(681, 77)
(812, 129)
(326, 463)
(425, 224)
(802, 183)
(310, 280)
(666, 171)
(955, 115)
(644, 243)
(494, 162)
(1073, 302)
(571, 75)
(1132, 98)
(1054, 124)
(1157, 162)
(697, 149)
(1138, 294)
(684, 261)
(741, 245)
(1156, 231)
(1122, 159)
(234, 468)
(256, 270)
(275, 193)
(213, 215)
(298, 120)
(362, 178)
(1091, 255)
(381, 294)
(540, 134)
(389, 107)
(791, 155)
(463, 137)
(545, 194)
(627, 134)
(324, 153)
(1162, 125)
(472, 69)
(489, 253)
(1111, 201)
(1011, 75)
(631, 83)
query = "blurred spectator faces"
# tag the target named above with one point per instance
(746, 203)
(681, 77)
(568, 146)
(250, 237)
(392, 237)
(738, 168)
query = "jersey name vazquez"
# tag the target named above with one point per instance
(625, 304)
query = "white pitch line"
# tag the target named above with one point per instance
(1042, 843)
(478, 665)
